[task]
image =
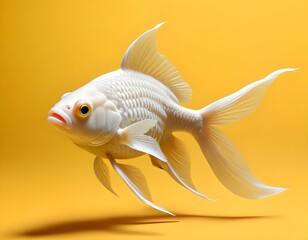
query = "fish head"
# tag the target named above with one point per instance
(86, 116)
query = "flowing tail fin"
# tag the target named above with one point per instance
(222, 155)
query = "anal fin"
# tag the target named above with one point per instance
(178, 165)
(136, 181)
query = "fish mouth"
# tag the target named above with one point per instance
(58, 117)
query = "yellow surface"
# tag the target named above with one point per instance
(47, 186)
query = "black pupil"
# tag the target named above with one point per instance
(84, 109)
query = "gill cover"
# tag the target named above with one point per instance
(106, 119)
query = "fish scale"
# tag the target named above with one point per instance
(139, 96)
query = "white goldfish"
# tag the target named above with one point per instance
(134, 111)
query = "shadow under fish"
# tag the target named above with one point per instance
(119, 224)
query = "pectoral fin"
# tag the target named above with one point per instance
(102, 173)
(136, 181)
(134, 137)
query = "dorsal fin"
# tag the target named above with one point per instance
(143, 56)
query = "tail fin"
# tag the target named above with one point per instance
(222, 155)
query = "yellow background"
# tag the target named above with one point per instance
(47, 186)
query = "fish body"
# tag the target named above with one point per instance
(137, 97)
(134, 111)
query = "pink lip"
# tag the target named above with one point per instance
(58, 117)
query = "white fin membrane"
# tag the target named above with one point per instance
(134, 137)
(102, 173)
(222, 155)
(136, 181)
(178, 165)
(240, 104)
(143, 56)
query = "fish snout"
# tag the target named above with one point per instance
(58, 117)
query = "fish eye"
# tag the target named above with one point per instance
(82, 110)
